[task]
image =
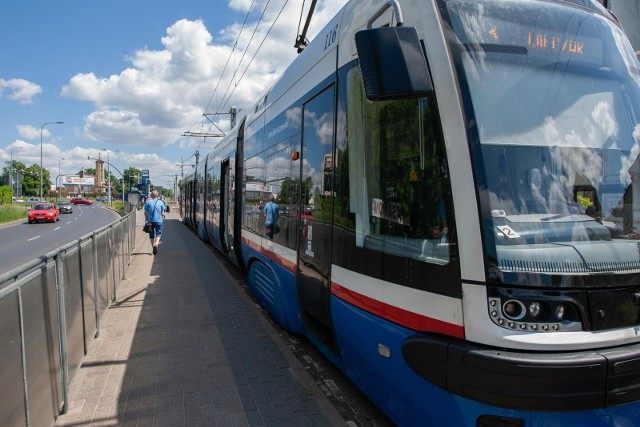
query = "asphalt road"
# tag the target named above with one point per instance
(21, 242)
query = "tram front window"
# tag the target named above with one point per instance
(553, 94)
(403, 208)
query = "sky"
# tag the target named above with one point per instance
(130, 78)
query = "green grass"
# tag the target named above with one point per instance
(12, 212)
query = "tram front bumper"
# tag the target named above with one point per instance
(579, 380)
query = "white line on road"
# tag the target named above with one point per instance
(34, 238)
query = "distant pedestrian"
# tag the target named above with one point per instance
(154, 214)
(271, 214)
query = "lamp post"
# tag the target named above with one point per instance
(108, 176)
(57, 186)
(41, 129)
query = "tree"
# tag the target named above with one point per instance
(167, 193)
(286, 193)
(132, 176)
(31, 180)
(15, 168)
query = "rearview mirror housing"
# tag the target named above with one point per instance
(393, 63)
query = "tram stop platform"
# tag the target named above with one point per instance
(183, 344)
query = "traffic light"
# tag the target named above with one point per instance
(81, 173)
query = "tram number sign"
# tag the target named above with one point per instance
(508, 231)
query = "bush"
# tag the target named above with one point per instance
(12, 212)
(5, 195)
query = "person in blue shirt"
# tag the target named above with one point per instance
(154, 213)
(271, 213)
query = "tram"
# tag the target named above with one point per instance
(459, 192)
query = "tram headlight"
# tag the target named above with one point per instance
(535, 309)
(514, 309)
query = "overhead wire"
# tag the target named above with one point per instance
(220, 106)
(301, 14)
(256, 52)
(225, 99)
(235, 44)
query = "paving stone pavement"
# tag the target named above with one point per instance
(182, 345)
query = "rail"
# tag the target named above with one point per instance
(50, 311)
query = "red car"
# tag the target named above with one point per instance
(81, 201)
(44, 212)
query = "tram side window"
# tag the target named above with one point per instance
(403, 206)
(213, 191)
(253, 192)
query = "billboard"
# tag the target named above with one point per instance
(85, 181)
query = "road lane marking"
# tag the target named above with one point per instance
(34, 238)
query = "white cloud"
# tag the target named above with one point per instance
(126, 128)
(31, 132)
(19, 90)
(165, 92)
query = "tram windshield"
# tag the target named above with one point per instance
(552, 95)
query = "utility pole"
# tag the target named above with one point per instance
(175, 186)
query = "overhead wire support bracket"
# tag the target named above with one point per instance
(203, 134)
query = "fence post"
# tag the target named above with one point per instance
(23, 352)
(62, 322)
(96, 288)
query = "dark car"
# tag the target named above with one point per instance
(65, 206)
(44, 212)
(81, 201)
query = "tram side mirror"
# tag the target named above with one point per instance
(393, 64)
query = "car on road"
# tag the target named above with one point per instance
(81, 201)
(33, 200)
(64, 206)
(43, 212)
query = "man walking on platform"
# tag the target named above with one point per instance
(154, 214)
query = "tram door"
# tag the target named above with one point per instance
(314, 213)
(223, 206)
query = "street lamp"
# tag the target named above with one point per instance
(108, 176)
(57, 187)
(41, 129)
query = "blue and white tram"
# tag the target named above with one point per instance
(459, 213)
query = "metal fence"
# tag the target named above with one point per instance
(50, 311)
